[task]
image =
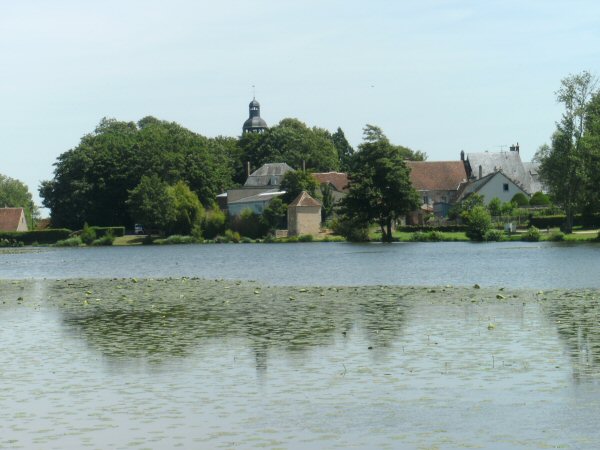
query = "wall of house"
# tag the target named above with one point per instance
(257, 207)
(304, 220)
(22, 224)
(438, 196)
(495, 188)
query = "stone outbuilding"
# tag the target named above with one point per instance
(304, 215)
(13, 219)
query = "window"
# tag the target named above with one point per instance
(505, 186)
(425, 200)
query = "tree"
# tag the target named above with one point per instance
(152, 204)
(294, 143)
(563, 163)
(275, 215)
(380, 186)
(92, 181)
(539, 199)
(188, 210)
(296, 181)
(520, 199)
(15, 194)
(478, 222)
(327, 201)
(495, 207)
(344, 149)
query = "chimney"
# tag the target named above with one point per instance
(517, 147)
(248, 168)
(462, 155)
(480, 172)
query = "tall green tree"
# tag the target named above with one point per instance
(563, 163)
(344, 149)
(15, 194)
(294, 143)
(380, 187)
(92, 181)
(296, 181)
(152, 204)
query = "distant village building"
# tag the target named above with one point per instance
(493, 185)
(438, 183)
(304, 215)
(13, 219)
(525, 175)
(254, 123)
(338, 181)
(260, 188)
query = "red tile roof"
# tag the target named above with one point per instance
(304, 199)
(437, 175)
(339, 180)
(10, 218)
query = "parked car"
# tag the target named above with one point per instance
(138, 229)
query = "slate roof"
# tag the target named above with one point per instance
(476, 185)
(338, 180)
(268, 175)
(262, 197)
(437, 175)
(304, 199)
(508, 162)
(536, 184)
(10, 218)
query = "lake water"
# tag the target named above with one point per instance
(517, 264)
(99, 356)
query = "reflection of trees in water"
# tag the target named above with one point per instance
(577, 319)
(157, 319)
(382, 319)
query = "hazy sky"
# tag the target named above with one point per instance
(437, 76)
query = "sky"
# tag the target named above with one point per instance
(438, 76)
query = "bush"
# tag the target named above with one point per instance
(114, 231)
(442, 228)
(248, 224)
(176, 239)
(494, 235)
(479, 222)
(105, 240)
(233, 236)
(48, 236)
(547, 221)
(520, 199)
(87, 235)
(247, 240)
(431, 236)
(213, 223)
(74, 241)
(532, 234)
(10, 243)
(352, 229)
(556, 236)
(305, 238)
(539, 199)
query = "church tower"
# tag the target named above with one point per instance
(254, 124)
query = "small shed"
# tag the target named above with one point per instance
(13, 219)
(304, 215)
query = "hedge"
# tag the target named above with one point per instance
(116, 231)
(48, 236)
(588, 221)
(428, 228)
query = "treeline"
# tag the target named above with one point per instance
(570, 165)
(104, 180)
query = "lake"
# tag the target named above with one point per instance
(333, 346)
(534, 265)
